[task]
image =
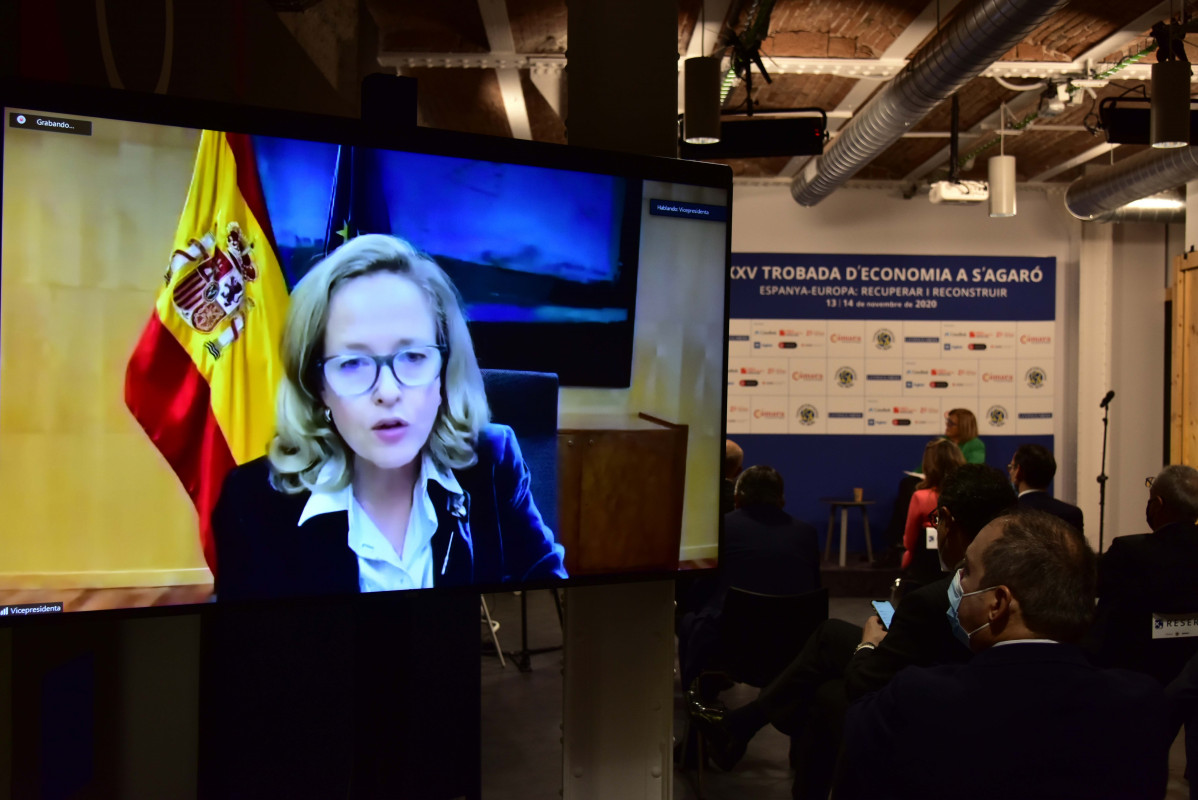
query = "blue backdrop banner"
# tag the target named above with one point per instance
(841, 367)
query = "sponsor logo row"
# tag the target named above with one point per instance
(923, 378)
(882, 417)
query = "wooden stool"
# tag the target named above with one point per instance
(844, 506)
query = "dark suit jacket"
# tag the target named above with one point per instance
(1138, 576)
(493, 535)
(1043, 501)
(919, 635)
(768, 551)
(727, 496)
(764, 550)
(1019, 720)
(1182, 695)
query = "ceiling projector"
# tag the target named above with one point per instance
(959, 193)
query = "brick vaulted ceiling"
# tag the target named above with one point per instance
(495, 66)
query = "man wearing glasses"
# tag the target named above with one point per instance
(1147, 616)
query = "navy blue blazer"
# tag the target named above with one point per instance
(766, 550)
(492, 535)
(1043, 501)
(1019, 720)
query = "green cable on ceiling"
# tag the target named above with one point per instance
(1023, 123)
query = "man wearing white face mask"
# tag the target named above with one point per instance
(1065, 728)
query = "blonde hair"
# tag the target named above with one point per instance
(305, 442)
(941, 457)
(967, 424)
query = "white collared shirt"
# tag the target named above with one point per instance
(1029, 491)
(380, 568)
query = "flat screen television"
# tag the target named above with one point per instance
(253, 354)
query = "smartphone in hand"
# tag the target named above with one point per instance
(885, 611)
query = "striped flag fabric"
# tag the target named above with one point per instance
(202, 378)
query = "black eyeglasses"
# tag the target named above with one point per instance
(357, 374)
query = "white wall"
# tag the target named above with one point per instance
(677, 364)
(1128, 354)
(1142, 270)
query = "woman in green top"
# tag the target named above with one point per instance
(961, 427)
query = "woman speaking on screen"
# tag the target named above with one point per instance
(384, 473)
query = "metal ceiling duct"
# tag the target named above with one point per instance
(1140, 175)
(977, 36)
(1171, 208)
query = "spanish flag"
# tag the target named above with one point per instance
(203, 376)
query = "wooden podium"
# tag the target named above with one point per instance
(620, 492)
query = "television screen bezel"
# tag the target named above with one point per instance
(150, 108)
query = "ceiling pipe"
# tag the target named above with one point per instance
(1171, 209)
(1143, 174)
(977, 36)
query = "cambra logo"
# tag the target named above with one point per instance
(1025, 339)
(845, 337)
(798, 375)
(760, 413)
(990, 377)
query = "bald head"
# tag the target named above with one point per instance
(734, 459)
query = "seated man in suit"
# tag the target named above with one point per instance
(1032, 469)
(1027, 716)
(1151, 574)
(765, 550)
(1182, 695)
(841, 661)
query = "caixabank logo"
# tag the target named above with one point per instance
(1036, 378)
(845, 377)
(883, 339)
(997, 416)
(808, 414)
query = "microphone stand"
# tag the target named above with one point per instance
(1102, 478)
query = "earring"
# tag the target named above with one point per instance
(328, 415)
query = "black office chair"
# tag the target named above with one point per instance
(760, 634)
(527, 403)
